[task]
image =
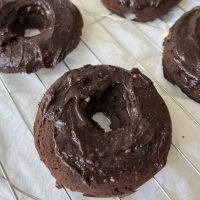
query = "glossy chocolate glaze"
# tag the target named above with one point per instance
(183, 66)
(59, 22)
(139, 4)
(140, 10)
(140, 123)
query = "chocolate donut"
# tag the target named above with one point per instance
(60, 24)
(182, 54)
(143, 10)
(80, 154)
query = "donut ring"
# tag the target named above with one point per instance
(182, 54)
(60, 24)
(143, 10)
(80, 154)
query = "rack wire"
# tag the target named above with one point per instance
(189, 161)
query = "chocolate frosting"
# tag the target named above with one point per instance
(186, 36)
(184, 65)
(140, 10)
(59, 22)
(139, 4)
(140, 123)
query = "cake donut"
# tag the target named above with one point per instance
(80, 154)
(59, 23)
(143, 10)
(181, 59)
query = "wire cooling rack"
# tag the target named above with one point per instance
(106, 39)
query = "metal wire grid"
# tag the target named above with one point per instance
(188, 113)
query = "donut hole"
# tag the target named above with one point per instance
(103, 121)
(31, 20)
(31, 32)
(109, 109)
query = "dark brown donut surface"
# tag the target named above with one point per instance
(144, 10)
(182, 54)
(60, 24)
(80, 154)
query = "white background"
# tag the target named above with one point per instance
(110, 42)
